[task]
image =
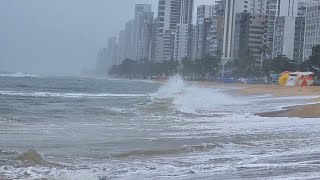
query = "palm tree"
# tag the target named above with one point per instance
(264, 50)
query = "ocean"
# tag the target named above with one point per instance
(79, 128)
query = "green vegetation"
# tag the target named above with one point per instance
(210, 66)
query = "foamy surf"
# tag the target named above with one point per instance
(177, 131)
(18, 75)
(193, 99)
(66, 95)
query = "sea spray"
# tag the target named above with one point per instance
(192, 98)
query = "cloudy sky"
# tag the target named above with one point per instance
(60, 37)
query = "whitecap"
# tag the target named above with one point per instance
(18, 75)
(67, 95)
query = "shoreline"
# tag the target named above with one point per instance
(310, 110)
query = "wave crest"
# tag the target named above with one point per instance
(192, 98)
(18, 75)
(181, 150)
(66, 95)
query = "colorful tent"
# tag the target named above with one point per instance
(305, 81)
(296, 79)
(283, 79)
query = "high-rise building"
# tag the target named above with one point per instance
(289, 37)
(167, 20)
(219, 8)
(232, 7)
(184, 31)
(186, 11)
(258, 6)
(279, 8)
(143, 22)
(205, 13)
(112, 51)
(122, 46)
(292, 8)
(273, 11)
(215, 34)
(129, 36)
(312, 33)
(289, 30)
(183, 42)
(248, 36)
(102, 66)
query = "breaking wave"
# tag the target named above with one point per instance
(33, 158)
(182, 150)
(192, 98)
(18, 75)
(66, 95)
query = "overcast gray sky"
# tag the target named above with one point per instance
(60, 37)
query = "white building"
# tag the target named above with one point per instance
(289, 29)
(232, 7)
(186, 11)
(112, 51)
(184, 31)
(167, 20)
(143, 21)
(312, 31)
(122, 46)
(272, 8)
(259, 6)
(129, 36)
(183, 41)
(292, 8)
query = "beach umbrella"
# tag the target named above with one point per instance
(283, 79)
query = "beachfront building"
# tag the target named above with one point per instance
(167, 20)
(312, 31)
(289, 30)
(215, 34)
(289, 37)
(112, 51)
(143, 22)
(232, 7)
(202, 29)
(250, 29)
(184, 31)
(122, 46)
(129, 38)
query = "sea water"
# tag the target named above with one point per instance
(73, 128)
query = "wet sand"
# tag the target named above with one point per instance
(306, 111)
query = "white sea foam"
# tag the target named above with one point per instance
(18, 75)
(192, 98)
(66, 95)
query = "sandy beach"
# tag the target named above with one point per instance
(312, 110)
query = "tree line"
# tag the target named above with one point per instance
(210, 66)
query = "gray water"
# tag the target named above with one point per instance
(87, 128)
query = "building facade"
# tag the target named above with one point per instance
(289, 37)
(312, 30)
(184, 31)
(248, 38)
(205, 14)
(129, 36)
(167, 20)
(122, 46)
(232, 7)
(143, 23)
(112, 51)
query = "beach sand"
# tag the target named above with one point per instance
(312, 110)
(306, 111)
